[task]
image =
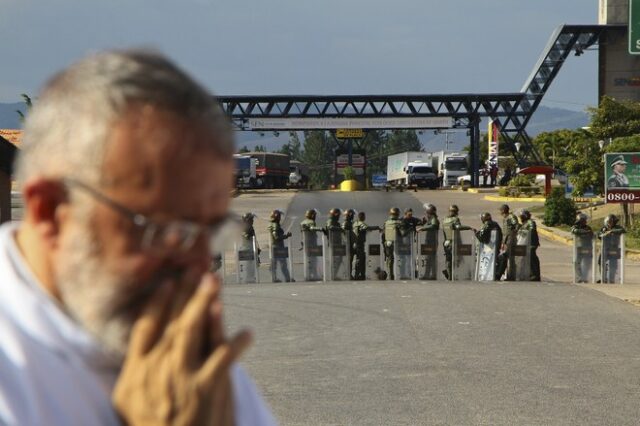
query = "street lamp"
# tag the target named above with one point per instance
(518, 145)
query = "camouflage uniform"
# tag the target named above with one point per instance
(391, 227)
(350, 236)
(335, 238)
(583, 240)
(530, 226)
(506, 259)
(430, 227)
(360, 229)
(610, 240)
(310, 239)
(278, 236)
(484, 236)
(450, 225)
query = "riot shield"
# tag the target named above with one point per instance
(373, 257)
(313, 255)
(427, 255)
(583, 256)
(463, 255)
(404, 264)
(486, 259)
(247, 260)
(281, 270)
(338, 255)
(522, 255)
(612, 259)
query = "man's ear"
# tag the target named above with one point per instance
(46, 203)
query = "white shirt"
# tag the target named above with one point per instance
(52, 372)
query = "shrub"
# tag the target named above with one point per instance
(349, 173)
(522, 180)
(559, 210)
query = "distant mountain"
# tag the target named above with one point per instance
(9, 118)
(546, 119)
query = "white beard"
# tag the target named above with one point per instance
(90, 293)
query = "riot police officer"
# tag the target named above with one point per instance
(309, 222)
(451, 224)
(506, 258)
(309, 242)
(529, 225)
(610, 235)
(484, 236)
(335, 235)
(249, 233)
(360, 229)
(391, 227)
(347, 226)
(430, 226)
(583, 241)
(278, 236)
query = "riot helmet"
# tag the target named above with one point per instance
(430, 208)
(581, 218)
(485, 217)
(504, 209)
(311, 214)
(349, 214)
(611, 220)
(275, 216)
(525, 214)
(394, 212)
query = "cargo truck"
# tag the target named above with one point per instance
(411, 169)
(272, 169)
(452, 165)
(245, 171)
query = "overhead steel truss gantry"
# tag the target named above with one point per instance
(510, 111)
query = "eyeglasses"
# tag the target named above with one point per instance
(174, 236)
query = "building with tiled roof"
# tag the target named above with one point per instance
(12, 135)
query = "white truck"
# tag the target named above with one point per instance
(452, 165)
(411, 169)
(245, 171)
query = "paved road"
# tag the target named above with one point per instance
(441, 353)
(438, 352)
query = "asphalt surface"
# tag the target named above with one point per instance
(441, 353)
(437, 353)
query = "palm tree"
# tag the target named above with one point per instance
(28, 104)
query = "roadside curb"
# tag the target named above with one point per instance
(514, 199)
(549, 234)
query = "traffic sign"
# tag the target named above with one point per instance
(349, 133)
(634, 27)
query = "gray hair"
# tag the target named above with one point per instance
(68, 128)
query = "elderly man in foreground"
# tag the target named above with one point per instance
(108, 313)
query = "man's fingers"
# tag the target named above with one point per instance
(223, 356)
(151, 321)
(193, 320)
(186, 287)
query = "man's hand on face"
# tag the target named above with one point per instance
(177, 369)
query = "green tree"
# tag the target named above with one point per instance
(28, 104)
(295, 146)
(402, 140)
(613, 119)
(243, 150)
(260, 148)
(319, 156)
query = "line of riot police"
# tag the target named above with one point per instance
(354, 250)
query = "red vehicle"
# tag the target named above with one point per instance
(272, 170)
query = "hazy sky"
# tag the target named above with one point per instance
(253, 47)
